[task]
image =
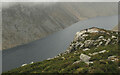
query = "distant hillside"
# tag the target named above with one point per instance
(25, 22)
(93, 50)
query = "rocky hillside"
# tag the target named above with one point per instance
(25, 22)
(93, 50)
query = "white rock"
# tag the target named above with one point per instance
(78, 34)
(63, 57)
(113, 58)
(102, 51)
(108, 41)
(95, 53)
(116, 32)
(101, 37)
(86, 49)
(56, 56)
(84, 35)
(85, 58)
(74, 52)
(31, 62)
(90, 54)
(49, 58)
(92, 31)
(104, 39)
(100, 43)
(24, 64)
(113, 37)
(89, 63)
(77, 62)
(82, 45)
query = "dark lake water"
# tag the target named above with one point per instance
(51, 45)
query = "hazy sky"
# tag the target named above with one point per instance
(59, 0)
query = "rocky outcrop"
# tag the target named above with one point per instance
(92, 37)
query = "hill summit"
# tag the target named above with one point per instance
(92, 50)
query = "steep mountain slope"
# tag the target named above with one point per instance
(25, 22)
(93, 50)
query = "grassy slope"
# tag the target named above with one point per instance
(65, 65)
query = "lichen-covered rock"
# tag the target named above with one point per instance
(89, 43)
(101, 37)
(76, 62)
(84, 58)
(113, 58)
(86, 49)
(114, 37)
(103, 51)
(108, 41)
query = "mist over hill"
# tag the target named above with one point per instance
(25, 22)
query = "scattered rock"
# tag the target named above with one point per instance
(86, 49)
(90, 54)
(95, 53)
(89, 62)
(24, 64)
(49, 58)
(102, 51)
(104, 39)
(100, 44)
(76, 62)
(84, 35)
(81, 45)
(101, 37)
(108, 41)
(85, 58)
(75, 53)
(56, 56)
(88, 43)
(114, 37)
(113, 58)
(31, 62)
(78, 35)
(63, 57)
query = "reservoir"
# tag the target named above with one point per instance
(51, 45)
